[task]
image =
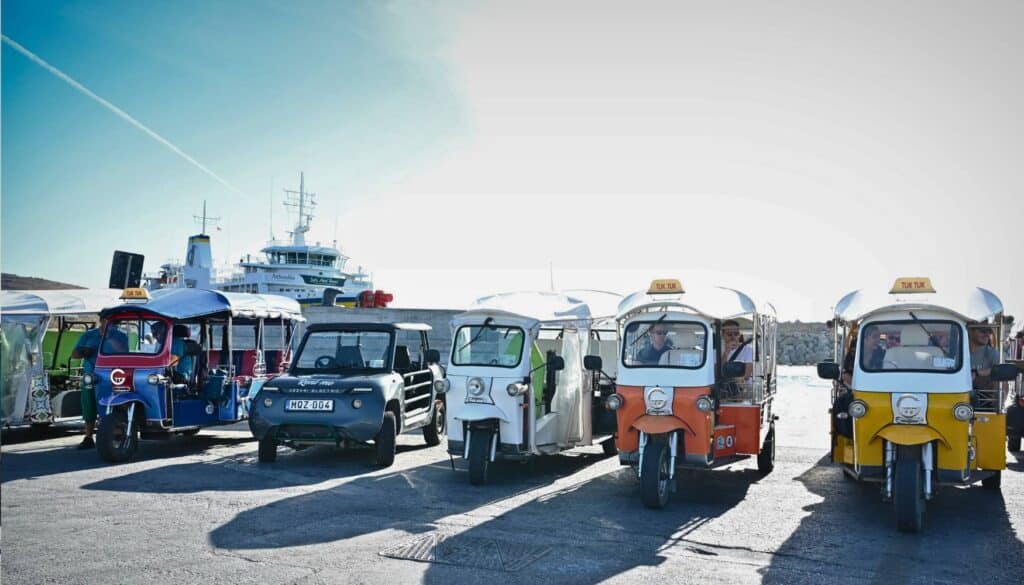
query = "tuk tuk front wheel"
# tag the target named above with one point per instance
(908, 488)
(766, 458)
(385, 440)
(115, 442)
(267, 449)
(435, 429)
(654, 473)
(993, 482)
(479, 455)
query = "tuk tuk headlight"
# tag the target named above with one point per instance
(89, 379)
(515, 389)
(614, 402)
(704, 404)
(857, 409)
(475, 386)
(963, 411)
(154, 379)
(442, 386)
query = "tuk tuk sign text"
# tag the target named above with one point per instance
(664, 286)
(912, 284)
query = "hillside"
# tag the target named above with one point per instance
(17, 282)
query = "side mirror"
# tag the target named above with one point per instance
(433, 356)
(734, 370)
(556, 363)
(1004, 372)
(828, 370)
(592, 363)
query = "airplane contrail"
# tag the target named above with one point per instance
(120, 113)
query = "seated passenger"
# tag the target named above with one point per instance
(735, 349)
(181, 361)
(983, 357)
(657, 344)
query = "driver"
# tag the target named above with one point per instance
(657, 344)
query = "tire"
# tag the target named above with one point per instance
(267, 449)
(908, 488)
(1013, 443)
(609, 448)
(433, 432)
(385, 440)
(479, 455)
(654, 473)
(115, 442)
(766, 458)
(994, 482)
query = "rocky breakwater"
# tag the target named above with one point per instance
(801, 344)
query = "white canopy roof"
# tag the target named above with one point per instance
(973, 304)
(715, 303)
(547, 307)
(58, 302)
(413, 326)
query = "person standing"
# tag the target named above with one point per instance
(86, 348)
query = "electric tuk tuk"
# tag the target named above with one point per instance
(695, 385)
(1015, 411)
(918, 400)
(517, 387)
(176, 360)
(40, 383)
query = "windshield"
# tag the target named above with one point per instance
(337, 351)
(924, 345)
(134, 336)
(665, 344)
(493, 345)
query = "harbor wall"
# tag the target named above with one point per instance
(798, 343)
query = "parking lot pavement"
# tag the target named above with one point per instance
(202, 509)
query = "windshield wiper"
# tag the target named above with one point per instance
(483, 327)
(931, 340)
(639, 337)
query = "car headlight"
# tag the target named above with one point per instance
(154, 379)
(441, 386)
(268, 402)
(857, 409)
(963, 411)
(89, 379)
(704, 404)
(475, 386)
(515, 389)
(614, 402)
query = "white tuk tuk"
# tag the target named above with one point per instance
(517, 386)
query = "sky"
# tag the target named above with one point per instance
(793, 150)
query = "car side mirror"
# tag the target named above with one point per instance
(433, 356)
(734, 369)
(1004, 372)
(592, 363)
(556, 363)
(828, 370)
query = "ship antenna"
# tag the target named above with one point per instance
(204, 218)
(271, 209)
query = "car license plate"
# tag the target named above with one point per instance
(310, 405)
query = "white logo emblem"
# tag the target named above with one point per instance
(909, 409)
(118, 377)
(728, 441)
(209, 409)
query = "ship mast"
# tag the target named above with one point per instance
(301, 200)
(204, 218)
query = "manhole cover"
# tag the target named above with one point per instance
(468, 551)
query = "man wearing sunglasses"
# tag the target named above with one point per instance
(657, 344)
(733, 347)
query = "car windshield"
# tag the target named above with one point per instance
(338, 351)
(659, 343)
(134, 336)
(922, 345)
(493, 345)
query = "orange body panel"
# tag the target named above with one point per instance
(656, 425)
(698, 426)
(747, 420)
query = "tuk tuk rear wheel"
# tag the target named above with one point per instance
(654, 473)
(115, 442)
(435, 429)
(993, 482)
(267, 449)
(766, 458)
(908, 488)
(1013, 443)
(385, 440)
(479, 455)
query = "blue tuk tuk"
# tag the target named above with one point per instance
(176, 360)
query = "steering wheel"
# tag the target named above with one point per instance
(324, 362)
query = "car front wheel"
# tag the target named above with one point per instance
(385, 440)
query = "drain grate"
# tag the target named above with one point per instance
(468, 551)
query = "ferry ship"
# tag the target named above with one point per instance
(310, 274)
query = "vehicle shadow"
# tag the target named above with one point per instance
(64, 459)
(851, 536)
(411, 499)
(15, 436)
(591, 531)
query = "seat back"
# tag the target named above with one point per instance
(349, 356)
(402, 360)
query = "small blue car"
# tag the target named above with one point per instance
(353, 383)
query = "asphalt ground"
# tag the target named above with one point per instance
(202, 510)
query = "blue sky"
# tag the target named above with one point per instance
(795, 151)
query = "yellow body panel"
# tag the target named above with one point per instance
(990, 437)
(877, 425)
(844, 450)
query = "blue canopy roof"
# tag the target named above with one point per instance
(192, 303)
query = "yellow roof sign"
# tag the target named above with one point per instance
(912, 284)
(664, 286)
(135, 294)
